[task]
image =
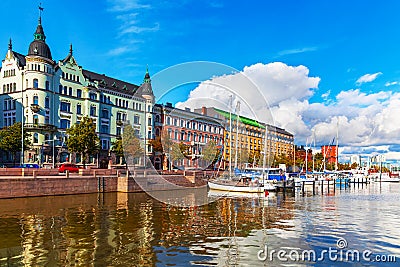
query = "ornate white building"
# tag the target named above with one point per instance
(49, 97)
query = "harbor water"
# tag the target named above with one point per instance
(119, 229)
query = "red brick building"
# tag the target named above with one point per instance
(184, 126)
(329, 153)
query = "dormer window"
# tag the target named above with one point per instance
(114, 85)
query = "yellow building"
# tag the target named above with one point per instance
(248, 138)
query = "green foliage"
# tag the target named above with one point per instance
(11, 139)
(211, 152)
(166, 141)
(177, 151)
(131, 144)
(156, 144)
(82, 139)
(117, 148)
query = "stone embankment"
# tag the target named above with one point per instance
(18, 182)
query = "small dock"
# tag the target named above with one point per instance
(319, 186)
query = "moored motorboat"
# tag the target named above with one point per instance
(384, 177)
(240, 186)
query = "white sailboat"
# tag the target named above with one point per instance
(238, 184)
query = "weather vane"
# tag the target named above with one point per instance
(40, 9)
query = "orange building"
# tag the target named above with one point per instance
(329, 153)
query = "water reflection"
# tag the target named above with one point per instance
(117, 229)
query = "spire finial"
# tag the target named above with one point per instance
(70, 49)
(147, 75)
(10, 45)
(40, 13)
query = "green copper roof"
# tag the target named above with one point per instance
(244, 120)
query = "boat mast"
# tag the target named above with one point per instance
(337, 145)
(265, 152)
(230, 138)
(237, 133)
(313, 157)
(306, 158)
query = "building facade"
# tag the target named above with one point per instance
(330, 154)
(191, 129)
(49, 97)
(244, 143)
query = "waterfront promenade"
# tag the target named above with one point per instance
(18, 182)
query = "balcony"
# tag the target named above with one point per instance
(105, 121)
(40, 127)
(35, 108)
(122, 122)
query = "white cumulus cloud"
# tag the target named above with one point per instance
(391, 83)
(368, 78)
(363, 120)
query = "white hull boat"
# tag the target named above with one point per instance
(231, 186)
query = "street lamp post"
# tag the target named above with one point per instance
(22, 119)
(54, 140)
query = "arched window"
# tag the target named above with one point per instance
(35, 119)
(47, 102)
(157, 119)
(35, 138)
(35, 83)
(105, 113)
(60, 89)
(35, 100)
(157, 131)
(14, 87)
(64, 124)
(47, 85)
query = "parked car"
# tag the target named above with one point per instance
(29, 165)
(68, 167)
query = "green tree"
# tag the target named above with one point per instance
(157, 144)
(11, 139)
(117, 148)
(82, 139)
(131, 145)
(211, 153)
(177, 151)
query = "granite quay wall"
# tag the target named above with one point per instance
(32, 183)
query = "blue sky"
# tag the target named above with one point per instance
(337, 41)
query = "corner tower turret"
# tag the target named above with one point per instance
(38, 46)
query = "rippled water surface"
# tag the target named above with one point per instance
(118, 229)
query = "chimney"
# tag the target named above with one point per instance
(204, 110)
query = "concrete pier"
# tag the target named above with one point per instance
(41, 182)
